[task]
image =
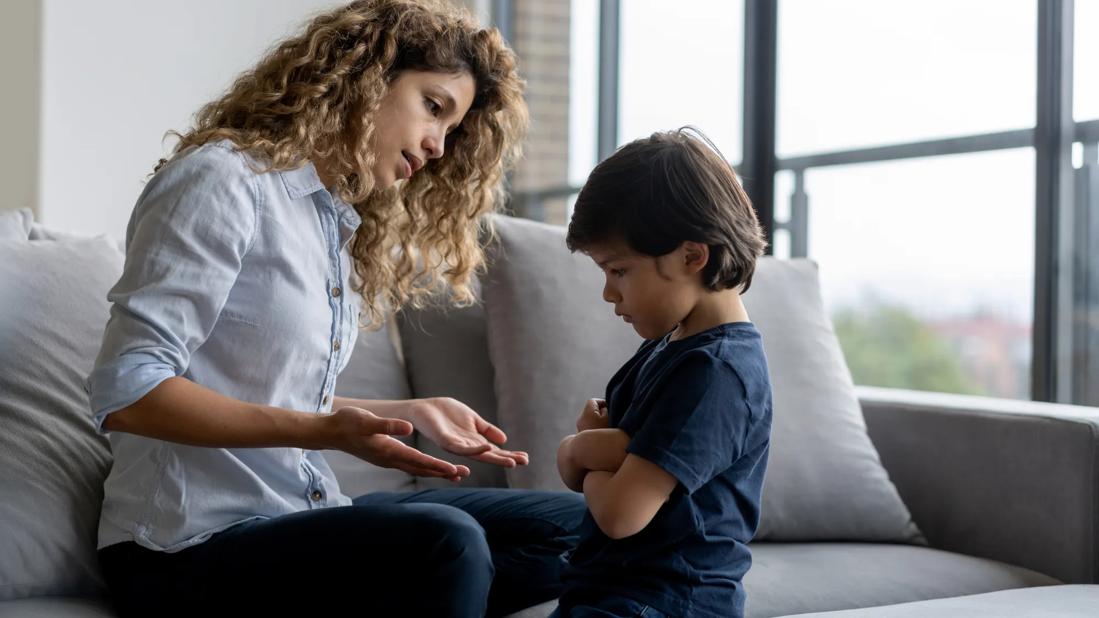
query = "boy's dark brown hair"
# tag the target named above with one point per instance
(658, 192)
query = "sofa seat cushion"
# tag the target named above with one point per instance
(56, 607)
(1061, 601)
(794, 578)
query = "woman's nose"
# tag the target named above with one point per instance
(433, 145)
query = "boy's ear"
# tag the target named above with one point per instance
(695, 255)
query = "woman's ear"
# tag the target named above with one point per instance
(695, 255)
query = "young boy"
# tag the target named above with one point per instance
(672, 461)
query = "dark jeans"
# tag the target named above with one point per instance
(427, 553)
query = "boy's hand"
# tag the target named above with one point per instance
(593, 416)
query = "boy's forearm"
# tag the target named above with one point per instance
(600, 449)
(571, 473)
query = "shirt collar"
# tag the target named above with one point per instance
(301, 181)
(305, 181)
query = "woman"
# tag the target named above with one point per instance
(349, 171)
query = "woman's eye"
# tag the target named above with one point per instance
(432, 106)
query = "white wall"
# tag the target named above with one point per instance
(117, 74)
(20, 22)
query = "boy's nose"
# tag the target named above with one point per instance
(609, 294)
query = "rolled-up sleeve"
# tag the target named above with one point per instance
(188, 235)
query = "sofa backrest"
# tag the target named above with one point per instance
(543, 341)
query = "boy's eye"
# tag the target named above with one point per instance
(618, 272)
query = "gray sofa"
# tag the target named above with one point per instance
(874, 497)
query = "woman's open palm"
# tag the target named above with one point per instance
(458, 429)
(370, 438)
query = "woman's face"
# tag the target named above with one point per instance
(413, 120)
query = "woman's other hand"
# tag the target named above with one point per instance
(457, 428)
(370, 438)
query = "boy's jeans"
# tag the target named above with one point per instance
(426, 553)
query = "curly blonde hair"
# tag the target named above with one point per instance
(315, 95)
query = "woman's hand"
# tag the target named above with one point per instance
(457, 428)
(593, 416)
(369, 437)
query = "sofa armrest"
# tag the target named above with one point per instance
(1015, 481)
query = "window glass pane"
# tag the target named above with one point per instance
(784, 188)
(681, 63)
(855, 73)
(583, 89)
(927, 269)
(1086, 60)
(557, 43)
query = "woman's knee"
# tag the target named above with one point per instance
(454, 535)
(458, 558)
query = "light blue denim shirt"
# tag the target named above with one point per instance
(238, 281)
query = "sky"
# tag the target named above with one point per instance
(945, 235)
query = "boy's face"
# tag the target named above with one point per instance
(653, 294)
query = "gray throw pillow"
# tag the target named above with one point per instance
(45, 232)
(374, 372)
(554, 342)
(52, 317)
(15, 224)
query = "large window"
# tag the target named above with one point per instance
(1086, 60)
(919, 152)
(922, 295)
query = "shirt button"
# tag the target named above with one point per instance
(336, 345)
(324, 400)
(316, 495)
(336, 292)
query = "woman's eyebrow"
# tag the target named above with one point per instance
(448, 99)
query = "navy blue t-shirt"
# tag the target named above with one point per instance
(700, 408)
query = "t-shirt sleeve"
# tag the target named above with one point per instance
(697, 424)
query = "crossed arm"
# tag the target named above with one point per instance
(624, 491)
